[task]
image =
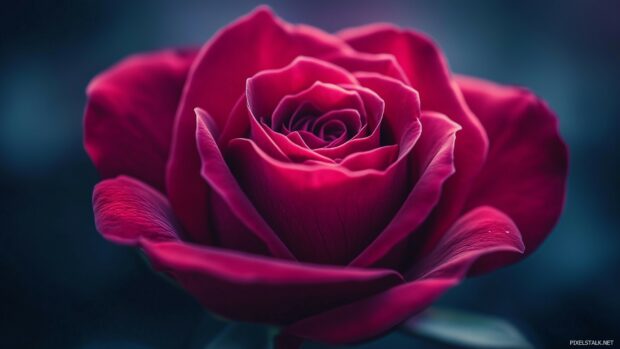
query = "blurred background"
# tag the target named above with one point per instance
(63, 286)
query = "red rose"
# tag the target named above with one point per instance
(332, 184)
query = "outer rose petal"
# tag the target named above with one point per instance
(372, 316)
(216, 81)
(428, 73)
(525, 172)
(127, 210)
(130, 113)
(246, 287)
(479, 233)
(233, 284)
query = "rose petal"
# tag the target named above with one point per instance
(238, 124)
(377, 159)
(323, 213)
(371, 138)
(525, 171)
(433, 161)
(293, 146)
(130, 112)
(287, 185)
(384, 64)
(127, 210)
(266, 89)
(428, 73)
(280, 146)
(233, 284)
(215, 82)
(222, 183)
(245, 287)
(402, 110)
(230, 232)
(478, 234)
(323, 97)
(349, 117)
(373, 316)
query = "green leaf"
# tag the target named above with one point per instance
(466, 329)
(243, 336)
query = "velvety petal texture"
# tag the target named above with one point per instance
(127, 210)
(525, 172)
(130, 114)
(333, 185)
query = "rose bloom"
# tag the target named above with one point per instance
(331, 184)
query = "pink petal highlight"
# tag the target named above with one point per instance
(127, 210)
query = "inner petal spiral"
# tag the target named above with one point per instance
(324, 115)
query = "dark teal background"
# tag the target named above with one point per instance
(63, 286)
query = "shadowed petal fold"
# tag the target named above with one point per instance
(222, 183)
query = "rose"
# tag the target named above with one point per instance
(331, 184)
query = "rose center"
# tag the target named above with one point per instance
(319, 129)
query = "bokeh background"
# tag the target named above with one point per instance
(63, 286)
